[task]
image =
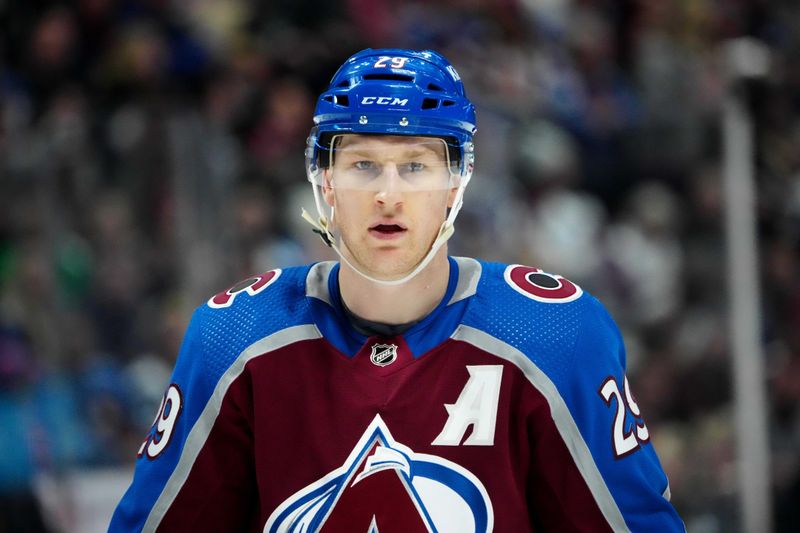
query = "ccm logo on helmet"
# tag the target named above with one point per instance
(384, 100)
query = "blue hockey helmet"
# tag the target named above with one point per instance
(395, 92)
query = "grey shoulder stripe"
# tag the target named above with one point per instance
(317, 281)
(202, 427)
(469, 273)
(561, 416)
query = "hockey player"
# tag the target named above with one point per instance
(399, 390)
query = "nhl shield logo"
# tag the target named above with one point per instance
(383, 354)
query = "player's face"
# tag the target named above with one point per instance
(390, 196)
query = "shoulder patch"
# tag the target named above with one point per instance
(251, 286)
(541, 286)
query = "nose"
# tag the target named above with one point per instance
(389, 193)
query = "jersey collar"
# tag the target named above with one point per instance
(322, 292)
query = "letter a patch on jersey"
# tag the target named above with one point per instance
(476, 406)
(385, 486)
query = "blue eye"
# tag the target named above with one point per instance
(364, 165)
(415, 166)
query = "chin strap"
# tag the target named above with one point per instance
(322, 228)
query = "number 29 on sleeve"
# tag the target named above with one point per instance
(160, 434)
(625, 439)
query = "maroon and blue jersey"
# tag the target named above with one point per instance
(506, 409)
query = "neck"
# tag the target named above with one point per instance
(396, 304)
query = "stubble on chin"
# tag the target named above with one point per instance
(382, 263)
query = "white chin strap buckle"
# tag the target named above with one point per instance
(320, 228)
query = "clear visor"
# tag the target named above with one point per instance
(385, 162)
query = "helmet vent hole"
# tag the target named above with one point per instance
(391, 77)
(434, 87)
(448, 103)
(328, 98)
(342, 100)
(430, 103)
(345, 83)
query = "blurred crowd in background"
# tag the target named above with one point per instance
(151, 155)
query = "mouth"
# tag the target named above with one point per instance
(387, 231)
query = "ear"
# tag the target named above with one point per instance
(327, 190)
(451, 197)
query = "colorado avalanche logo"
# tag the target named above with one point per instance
(541, 286)
(251, 286)
(385, 487)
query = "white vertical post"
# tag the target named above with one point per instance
(743, 290)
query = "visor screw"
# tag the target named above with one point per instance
(404, 121)
(362, 119)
